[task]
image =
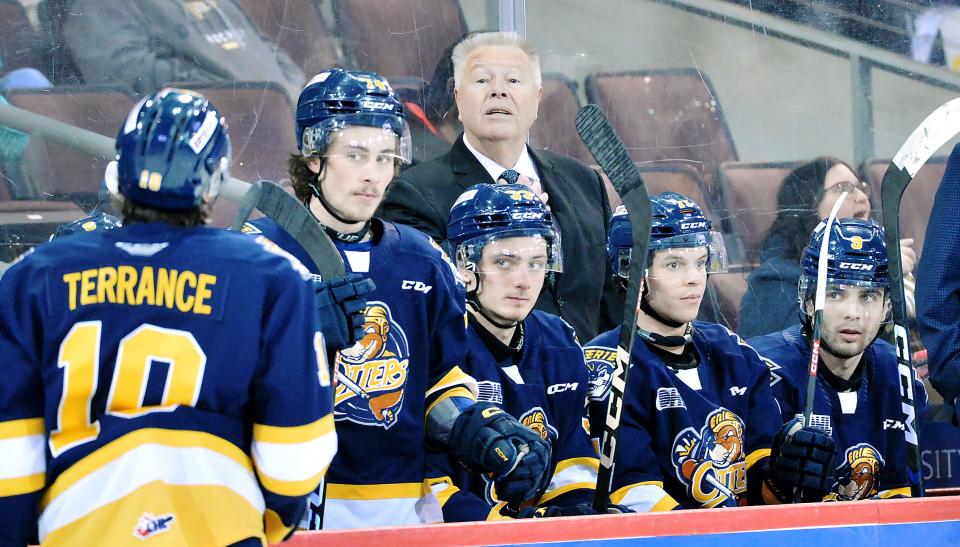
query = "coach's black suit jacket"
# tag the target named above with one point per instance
(423, 195)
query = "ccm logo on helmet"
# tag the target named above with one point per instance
(526, 215)
(693, 225)
(855, 266)
(560, 388)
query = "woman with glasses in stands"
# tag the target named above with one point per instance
(806, 197)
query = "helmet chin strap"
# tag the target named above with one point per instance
(474, 302)
(659, 339)
(336, 234)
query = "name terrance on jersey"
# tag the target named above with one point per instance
(150, 388)
(867, 424)
(692, 438)
(545, 388)
(409, 358)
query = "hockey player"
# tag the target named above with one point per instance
(162, 378)
(527, 362)
(403, 383)
(857, 399)
(699, 416)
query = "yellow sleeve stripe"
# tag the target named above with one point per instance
(295, 434)
(405, 490)
(756, 456)
(22, 485)
(275, 528)
(665, 504)
(593, 463)
(291, 488)
(453, 378)
(553, 494)
(495, 514)
(618, 495)
(903, 491)
(165, 437)
(21, 428)
(443, 494)
(455, 392)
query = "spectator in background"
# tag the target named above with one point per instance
(806, 197)
(497, 92)
(148, 43)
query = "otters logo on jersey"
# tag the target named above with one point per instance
(858, 474)
(711, 463)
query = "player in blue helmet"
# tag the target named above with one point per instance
(699, 416)
(95, 222)
(404, 379)
(857, 400)
(528, 362)
(194, 349)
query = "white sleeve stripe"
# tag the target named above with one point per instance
(643, 498)
(294, 462)
(22, 457)
(573, 475)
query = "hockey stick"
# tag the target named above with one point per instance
(247, 203)
(297, 221)
(818, 305)
(607, 148)
(938, 128)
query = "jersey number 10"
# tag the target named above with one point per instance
(79, 357)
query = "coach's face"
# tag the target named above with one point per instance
(498, 96)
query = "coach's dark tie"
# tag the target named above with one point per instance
(510, 176)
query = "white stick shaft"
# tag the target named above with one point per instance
(821, 297)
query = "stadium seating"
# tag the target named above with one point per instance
(671, 114)
(555, 128)
(19, 44)
(917, 198)
(398, 38)
(750, 200)
(297, 27)
(58, 63)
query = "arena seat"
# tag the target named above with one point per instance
(56, 171)
(749, 193)
(261, 124)
(19, 44)
(666, 177)
(58, 63)
(398, 38)
(917, 198)
(297, 27)
(555, 129)
(669, 114)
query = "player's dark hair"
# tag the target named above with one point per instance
(301, 176)
(134, 213)
(797, 204)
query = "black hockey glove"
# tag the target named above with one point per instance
(569, 511)
(801, 458)
(485, 439)
(340, 305)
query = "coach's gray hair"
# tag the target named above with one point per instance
(486, 39)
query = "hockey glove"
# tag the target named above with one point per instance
(569, 511)
(801, 458)
(485, 439)
(340, 305)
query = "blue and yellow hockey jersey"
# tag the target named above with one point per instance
(546, 390)
(866, 424)
(159, 382)
(409, 359)
(690, 438)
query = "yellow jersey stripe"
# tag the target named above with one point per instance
(295, 434)
(553, 494)
(22, 485)
(756, 456)
(21, 428)
(453, 378)
(402, 490)
(455, 392)
(291, 488)
(903, 491)
(618, 495)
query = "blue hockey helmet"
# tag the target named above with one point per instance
(857, 256)
(172, 152)
(336, 99)
(677, 222)
(488, 212)
(96, 222)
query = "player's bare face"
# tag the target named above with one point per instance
(837, 180)
(497, 97)
(677, 278)
(851, 319)
(359, 166)
(513, 271)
